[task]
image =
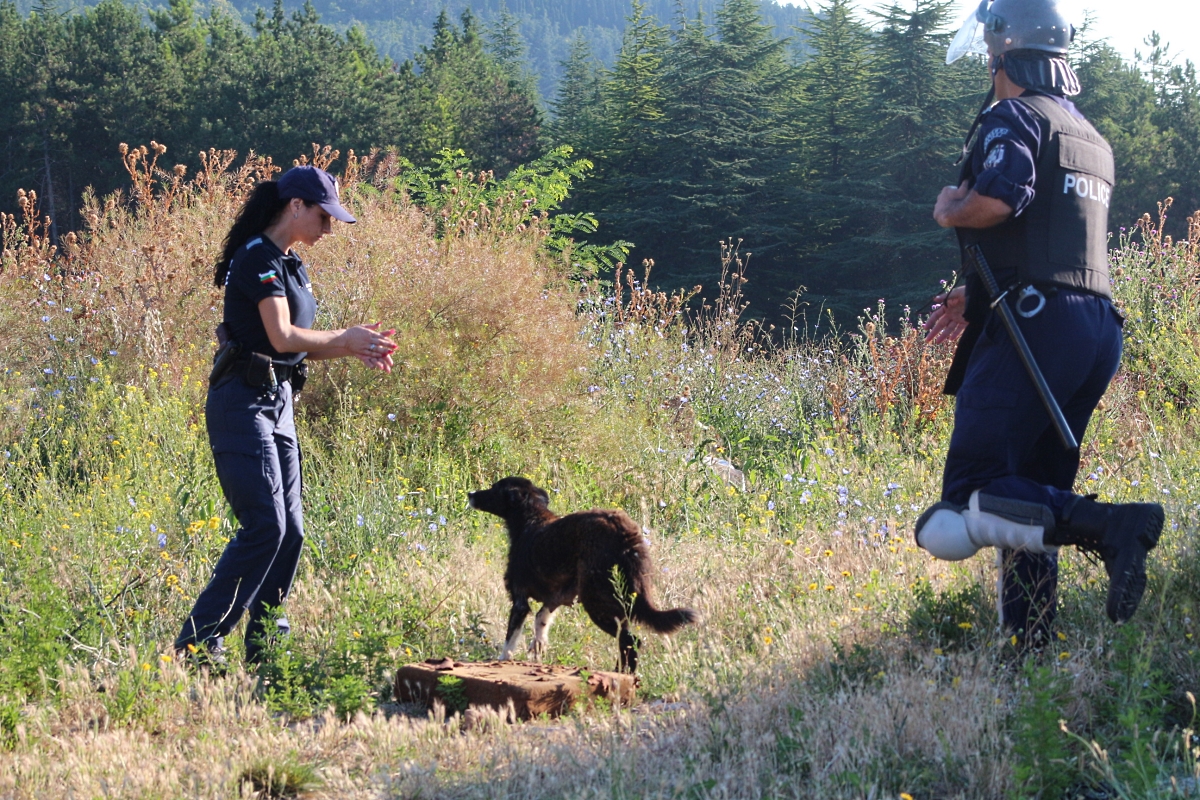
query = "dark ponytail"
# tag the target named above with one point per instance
(258, 212)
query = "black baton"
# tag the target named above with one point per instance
(975, 253)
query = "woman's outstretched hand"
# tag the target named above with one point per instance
(383, 364)
(371, 346)
(947, 322)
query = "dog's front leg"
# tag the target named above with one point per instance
(516, 618)
(541, 631)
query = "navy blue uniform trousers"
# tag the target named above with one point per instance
(253, 436)
(1004, 443)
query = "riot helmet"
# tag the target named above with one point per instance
(1026, 38)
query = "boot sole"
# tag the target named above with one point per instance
(1127, 578)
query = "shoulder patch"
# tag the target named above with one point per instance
(255, 242)
(995, 158)
(268, 277)
(993, 135)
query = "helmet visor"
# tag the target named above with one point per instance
(969, 39)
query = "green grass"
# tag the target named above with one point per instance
(834, 659)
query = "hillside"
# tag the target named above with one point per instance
(399, 28)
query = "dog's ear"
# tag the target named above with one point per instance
(542, 495)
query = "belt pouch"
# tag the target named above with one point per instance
(299, 377)
(259, 371)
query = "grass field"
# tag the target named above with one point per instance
(834, 659)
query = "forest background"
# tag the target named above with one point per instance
(820, 140)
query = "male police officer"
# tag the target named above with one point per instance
(1034, 196)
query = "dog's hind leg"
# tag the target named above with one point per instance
(516, 618)
(541, 631)
(607, 613)
(629, 645)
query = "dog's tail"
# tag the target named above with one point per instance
(659, 620)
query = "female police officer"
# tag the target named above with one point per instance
(269, 310)
(1034, 199)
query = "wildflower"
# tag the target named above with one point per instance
(358, 520)
(788, 477)
(966, 626)
(391, 417)
(937, 651)
(828, 553)
(845, 573)
(788, 543)
(770, 505)
(1063, 656)
(812, 587)
(162, 541)
(166, 659)
(1062, 637)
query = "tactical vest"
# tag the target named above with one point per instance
(1061, 238)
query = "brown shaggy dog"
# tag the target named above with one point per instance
(555, 560)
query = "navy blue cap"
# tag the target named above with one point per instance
(316, 186)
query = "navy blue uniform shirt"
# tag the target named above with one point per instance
(260, 270)
(1008, 145)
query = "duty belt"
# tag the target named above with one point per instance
(283, 372)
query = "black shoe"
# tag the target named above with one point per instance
(257, 645)
(209, 654)
(1121, 534)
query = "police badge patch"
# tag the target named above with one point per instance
(993, 135)
(995, 158)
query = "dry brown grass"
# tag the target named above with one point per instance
(485, 321)
(752, 722)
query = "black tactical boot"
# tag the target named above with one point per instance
(1120, 534)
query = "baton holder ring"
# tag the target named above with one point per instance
(1026, 293)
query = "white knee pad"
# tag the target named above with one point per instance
(953, 533)
(942, 531)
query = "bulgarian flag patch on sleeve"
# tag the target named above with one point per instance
(267, 277)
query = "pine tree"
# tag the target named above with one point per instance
(628, 147)
(920, 109)
(577, 107)
(722, 155)
(459, 96)
(834, 149)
